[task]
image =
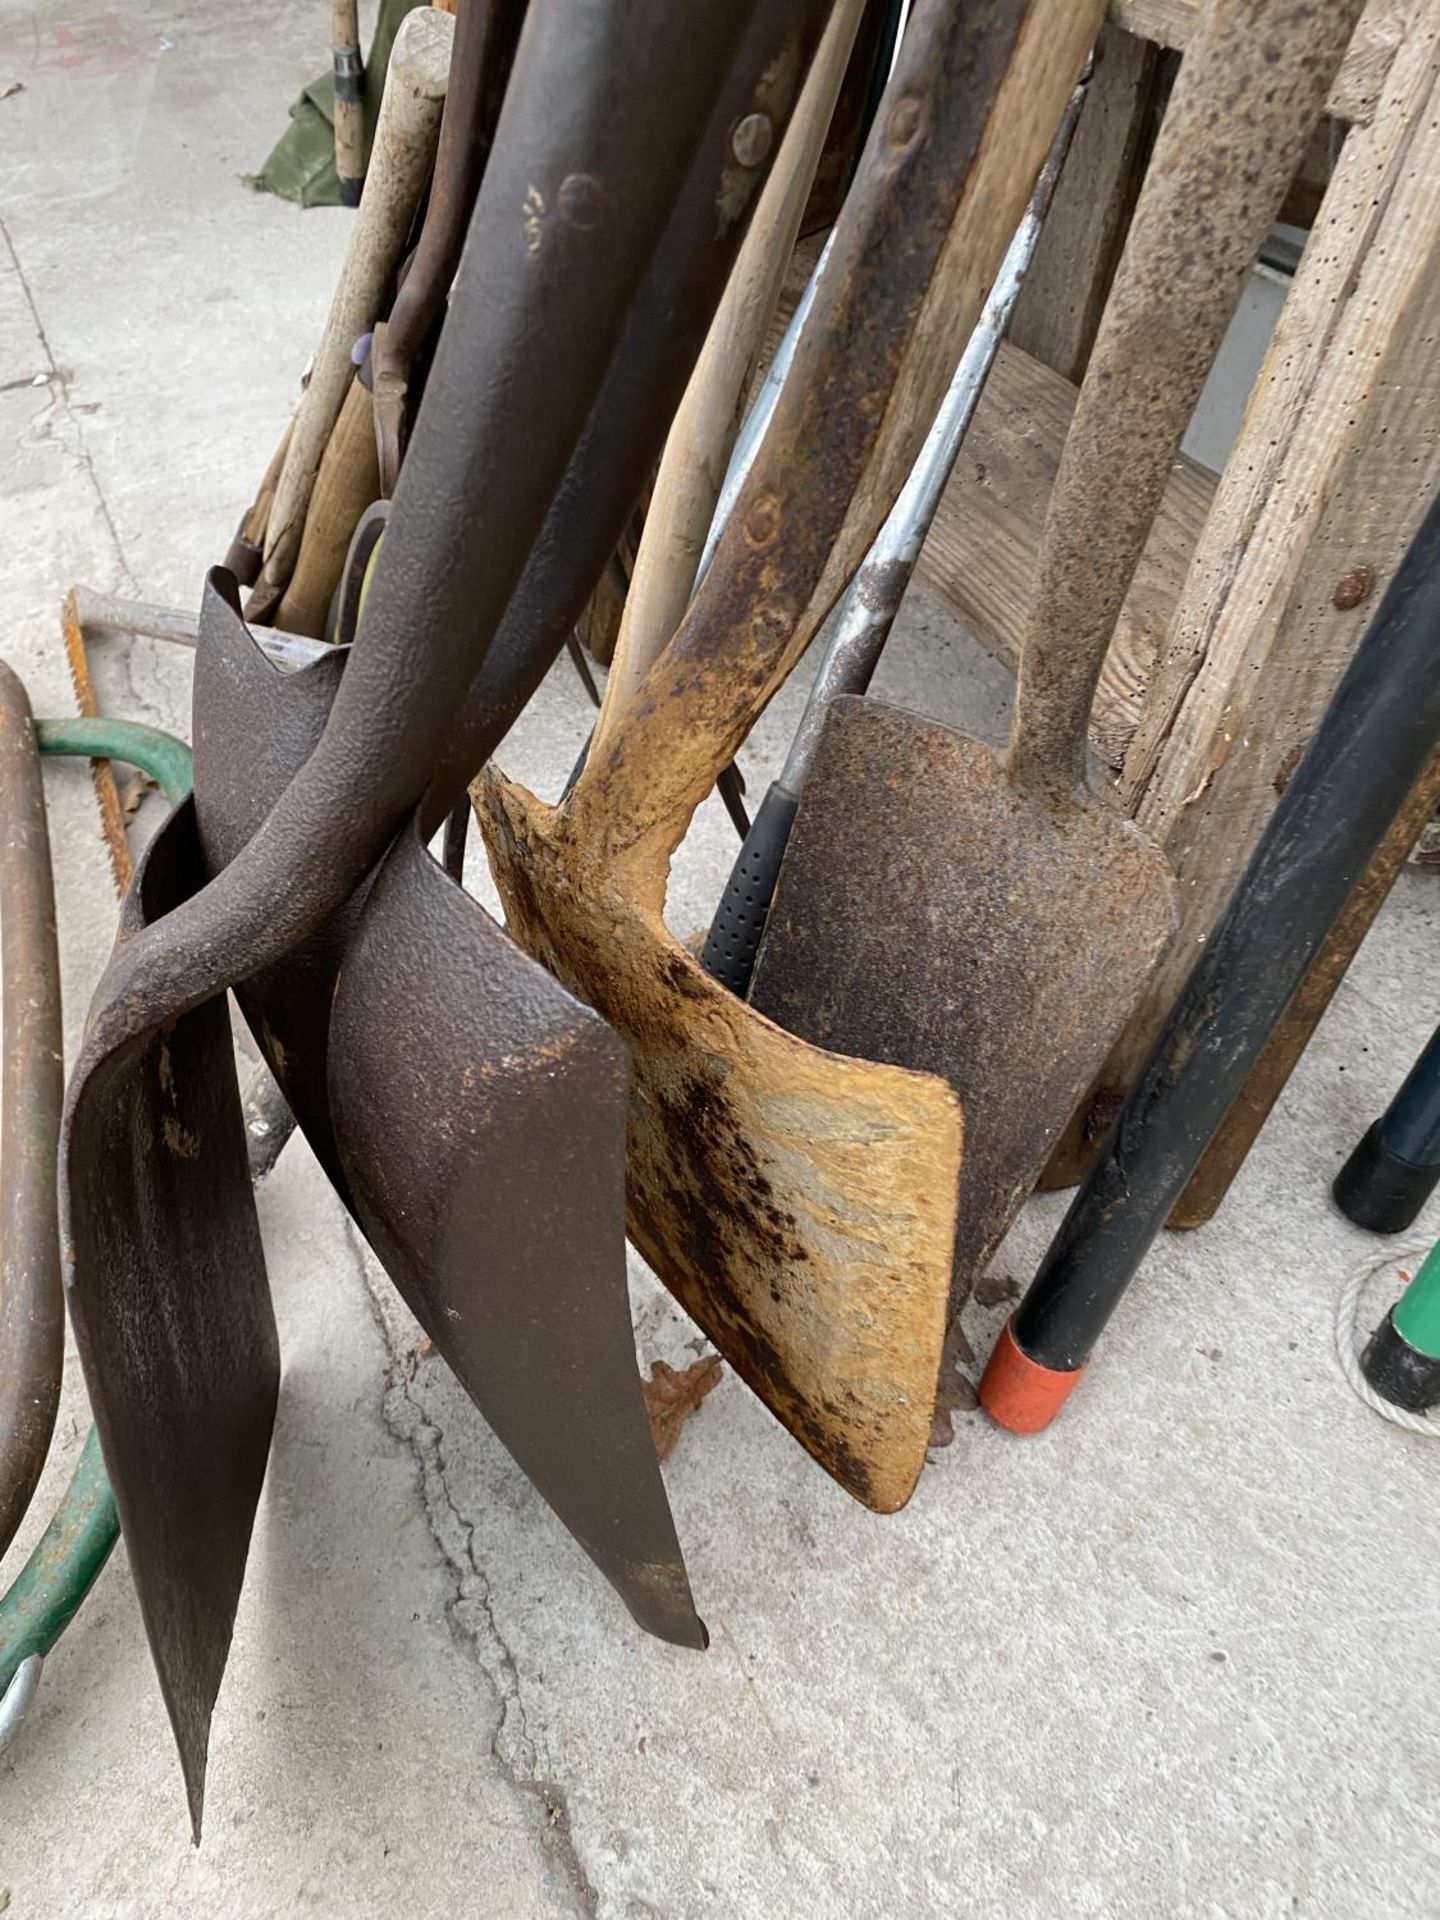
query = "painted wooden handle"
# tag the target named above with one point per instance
(958, 143)
(1250, 89)
(693, 465)
(405, 139)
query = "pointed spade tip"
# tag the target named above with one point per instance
(190, 1725)
(658, 1596)
(693, 1634)
(192, 1765)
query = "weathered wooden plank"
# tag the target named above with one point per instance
(1060, 304)
(1358, 85)
(980, 556)
(1335, 464)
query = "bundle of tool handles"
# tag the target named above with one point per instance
(573, 235)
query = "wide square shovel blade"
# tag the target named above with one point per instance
(930, 914)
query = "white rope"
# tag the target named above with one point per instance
(1349, 1345)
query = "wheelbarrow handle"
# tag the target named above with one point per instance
(1244, 104)
(32, 1309)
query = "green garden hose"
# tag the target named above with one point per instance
(167, 760)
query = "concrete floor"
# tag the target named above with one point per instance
(1178, 1656)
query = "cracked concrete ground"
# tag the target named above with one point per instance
(1176, 1657)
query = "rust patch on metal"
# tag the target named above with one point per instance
(102, 774)
(1286, 768)
(182, 1143)
(1101, 1111)
(800, 1207)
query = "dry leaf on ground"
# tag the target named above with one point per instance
(672, 1394)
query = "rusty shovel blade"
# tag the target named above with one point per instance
(928, 915)
(485, 1156)
(472, 1116)
(799, 1204)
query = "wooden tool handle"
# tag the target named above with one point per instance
(245, 552)
(688, 483)
(346, 484)
(579, 193)
(959, 139)
(405, 140)
(349, 75)
(1251, 86)
(486, 32)
(480, 62)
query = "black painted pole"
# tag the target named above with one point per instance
(1396, 1165)
(1366, 754)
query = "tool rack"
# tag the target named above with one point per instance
(1256, 585)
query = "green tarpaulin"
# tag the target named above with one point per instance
(302, 167)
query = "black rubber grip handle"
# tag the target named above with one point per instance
(734, 937)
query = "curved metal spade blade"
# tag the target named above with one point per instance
(254, 727)
(481, 1113)
(580, 196)
(799, 1204)
(160, 1218)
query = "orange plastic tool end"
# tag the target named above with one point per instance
(1017, 1392)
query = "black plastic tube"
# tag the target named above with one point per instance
(1396, 1165)
(1367, 752)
